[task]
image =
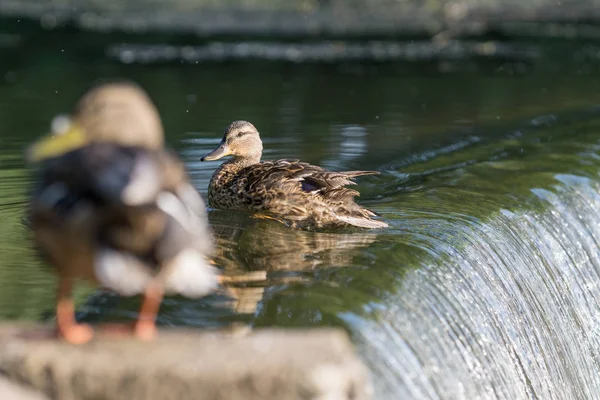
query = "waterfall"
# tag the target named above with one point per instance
(507, 310)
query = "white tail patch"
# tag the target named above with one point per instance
(189, 219)
(143, 185)
(190, 275)
(197, 218)
(171, 205)
(121, 272)
(363, 222)
(193, 201)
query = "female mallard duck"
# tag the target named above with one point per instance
(113, 206)
(290, 191)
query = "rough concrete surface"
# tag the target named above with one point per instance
(13, 391)
(187, 364)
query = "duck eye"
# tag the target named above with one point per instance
(240, 134)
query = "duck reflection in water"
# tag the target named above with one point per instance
(260, 253)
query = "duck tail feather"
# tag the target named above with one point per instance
(363, 222)
(353, 174)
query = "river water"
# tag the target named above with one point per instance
(485, 286)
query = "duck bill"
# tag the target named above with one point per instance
(51, 146)
(221, 151)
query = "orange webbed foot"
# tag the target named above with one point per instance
(67, 326)
(145, 330)
(76, 333)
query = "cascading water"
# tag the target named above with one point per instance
(506, 307)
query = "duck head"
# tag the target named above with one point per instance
(119, 113)
(240, 140)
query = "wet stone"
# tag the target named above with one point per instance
(186, 364)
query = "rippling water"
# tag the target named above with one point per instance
(486, 284)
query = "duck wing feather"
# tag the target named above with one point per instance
(294, 175)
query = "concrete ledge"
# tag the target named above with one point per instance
(188, 364)
(12, 391)
(300, 18)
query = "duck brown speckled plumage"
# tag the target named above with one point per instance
(293, 192)
(111, 205)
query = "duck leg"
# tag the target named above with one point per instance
(68, 328)
(145, 327)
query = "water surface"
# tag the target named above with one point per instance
(486, 283)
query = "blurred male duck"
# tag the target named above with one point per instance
(111, 205)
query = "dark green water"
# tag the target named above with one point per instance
(466, 157)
